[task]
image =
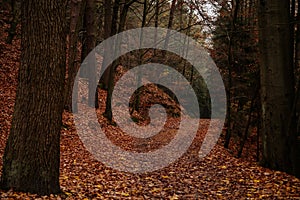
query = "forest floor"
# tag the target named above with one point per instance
(217, 176)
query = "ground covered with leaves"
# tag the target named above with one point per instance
(218, 176)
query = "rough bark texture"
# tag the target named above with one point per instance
(276, 85)
(32, 154)
(296, 152)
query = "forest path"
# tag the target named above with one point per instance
(218, 176)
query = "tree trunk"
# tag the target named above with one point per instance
(77, 8)
(170, 23)
(107, 33)
(136, 102)
(16, 10)
(90, 19)
(156, 20)
(276, 84)
(296, 107)
(32, 153)
(111, 69)
(231, 64)
(297, 44)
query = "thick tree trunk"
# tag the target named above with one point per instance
(32, 153)
(296, 107)
(276, 84)
(297, 45)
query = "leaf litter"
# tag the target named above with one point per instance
(218, 176)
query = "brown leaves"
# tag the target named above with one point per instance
(217, 176)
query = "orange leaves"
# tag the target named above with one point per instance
(217, 176)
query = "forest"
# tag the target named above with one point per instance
(149, 99)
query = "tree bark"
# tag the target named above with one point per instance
(156, 21)
(277, 85)
(16, 10)
(32, 154)
(111, 69)
(231, 64)
(90, 19)
(107, 33)
(170, 23)
(77, 8)
(136, 102)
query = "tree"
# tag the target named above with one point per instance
(235, 52)
(170, 22)
(114, 30)
(87, 47)
(277, 87)
(15, 6)
(32, 154)
(107, 33)
(76, 18)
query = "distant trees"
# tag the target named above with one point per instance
(244, 51)
(86, 31)
(235, 51)
(262, 86)
(16, 12)
(32, 154)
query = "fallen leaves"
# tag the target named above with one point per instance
(217, 176)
